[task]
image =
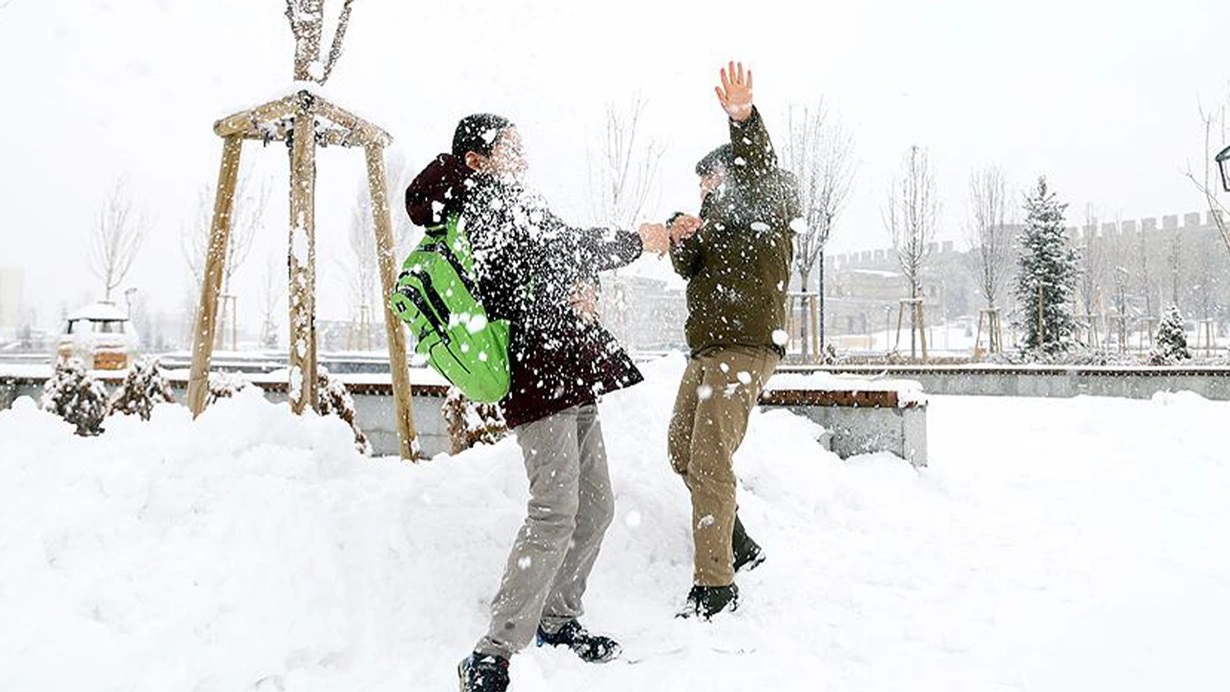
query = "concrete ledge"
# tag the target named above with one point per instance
(855, 422)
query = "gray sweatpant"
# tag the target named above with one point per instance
(570, 508)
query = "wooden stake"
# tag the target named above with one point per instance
(302, 263)
(815, 330)
(207, 310)
(377, 181)
(922, 330)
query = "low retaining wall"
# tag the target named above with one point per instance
(1211, 382)
(855, 421)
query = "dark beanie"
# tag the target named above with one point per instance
(478, 133)
(723, 156)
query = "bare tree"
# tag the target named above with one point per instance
(911, 217)
(989, 233)
(1146, 281)
(118, 234)
(362, 267)
(246, 218)
(623, 167)
(820, 153)
(1093, 259)
(1216, 136)
(271, 290)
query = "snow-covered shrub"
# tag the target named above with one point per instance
(144, 388)
(75, 395)
(1171, 345)
(471, 423)
(224, 385)
(334, 400)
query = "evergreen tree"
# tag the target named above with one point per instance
(1171, 339)
(1046, 283)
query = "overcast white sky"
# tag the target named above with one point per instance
(1100, 96)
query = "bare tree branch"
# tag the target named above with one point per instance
(624, 168)
(117, 238)
(362, 268)
(821, 156)
(246, 218)
(911, 215)
(1093, 257)
(335, 50)
(271, 290)
(1206, 184)
(989, 234)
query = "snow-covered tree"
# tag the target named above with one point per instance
(75, 395)
(1046, 282)
(144, 388)
(335, 400)
(1171, 339)
(471, 423)
(224, 385)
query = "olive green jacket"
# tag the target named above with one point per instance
(738, 263)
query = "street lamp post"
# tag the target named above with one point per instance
(1223, 164)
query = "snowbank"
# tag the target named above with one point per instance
(1052, 545)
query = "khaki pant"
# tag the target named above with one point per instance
(570, 508)
(719, 390)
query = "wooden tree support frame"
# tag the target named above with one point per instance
(305, 120)
(915, 306)
(1206, 332)
(995, 332)
(805, 305)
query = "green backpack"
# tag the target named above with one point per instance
(437, 296)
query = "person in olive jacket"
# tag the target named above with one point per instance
(736, 258)
(540, 274)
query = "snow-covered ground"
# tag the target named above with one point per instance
(1052, 545)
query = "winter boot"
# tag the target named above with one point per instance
(483, 673)
(592, 648)
(707, 601)
(748, 554)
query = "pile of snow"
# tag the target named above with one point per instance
(1052, 545)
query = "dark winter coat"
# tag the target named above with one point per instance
(528, 262)
(738, 263)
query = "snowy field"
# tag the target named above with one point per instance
(1052, 545)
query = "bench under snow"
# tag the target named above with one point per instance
(860, 415)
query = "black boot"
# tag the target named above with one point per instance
(707, 601)
(592, 648)
(748, 554)
(483, 673)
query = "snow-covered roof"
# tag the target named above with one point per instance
(100, 311)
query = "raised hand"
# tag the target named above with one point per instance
(683, 227)
(735, 93)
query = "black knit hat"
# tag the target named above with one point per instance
(478, 133)
(723, 156)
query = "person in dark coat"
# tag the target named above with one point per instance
(736, 258)
(541, 275)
